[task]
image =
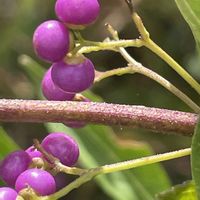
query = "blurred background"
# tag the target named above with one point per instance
(19, 18)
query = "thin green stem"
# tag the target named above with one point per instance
(144, 161)
(171, 62)
(137, 67)
(162, 54)
(73, 185)
(70, 170)
(125, 165)
(90, 46)
(131, 69)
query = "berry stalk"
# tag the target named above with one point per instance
(91, 173)
(154, 119)
(136, 67)
(151, 45)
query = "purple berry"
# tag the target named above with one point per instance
(73, 78)
(77, 12)
(41, 181)
(7, 193)
(51, 40)
(63, 147)
(13, 165)
(51, 91)
(33, 152)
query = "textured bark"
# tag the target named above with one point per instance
(154, 119)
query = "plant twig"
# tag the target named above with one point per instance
(131, 69)
(137, 67)
(151, 45)
(154, 119)
(124, 165)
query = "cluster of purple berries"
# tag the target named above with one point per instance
(17, 172)
(52, 41)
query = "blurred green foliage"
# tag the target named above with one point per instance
(19, 18)
(185, 191)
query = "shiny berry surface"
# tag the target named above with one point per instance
(41, 181)
(51, 91)
(13, 165)
(73, 77)
(77, 12)
(63, 147)
(51, 40)
(7, 193)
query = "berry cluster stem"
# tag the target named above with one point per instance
(150, 44)
(136, 67)
(131, 69)
(171, 62)
(86, 46)
(125, 165)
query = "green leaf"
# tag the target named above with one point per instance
(185, 191)
(7, 144)
(195, 161)
(190, 10)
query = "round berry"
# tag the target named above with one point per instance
(41, 181)
(63, 147)
(73, 78)
(7, 193)
(51, 91)
(33, 152)
(13, 165)
(77, 12)
(51, 40)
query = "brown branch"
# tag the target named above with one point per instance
(154, 119)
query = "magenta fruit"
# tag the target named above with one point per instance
(7, 193)
(73, 78)
(33, 152)
(51, 40)
(77, 12)
(51, 91)
(13, 165)
(42, 182)
(63, 147)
